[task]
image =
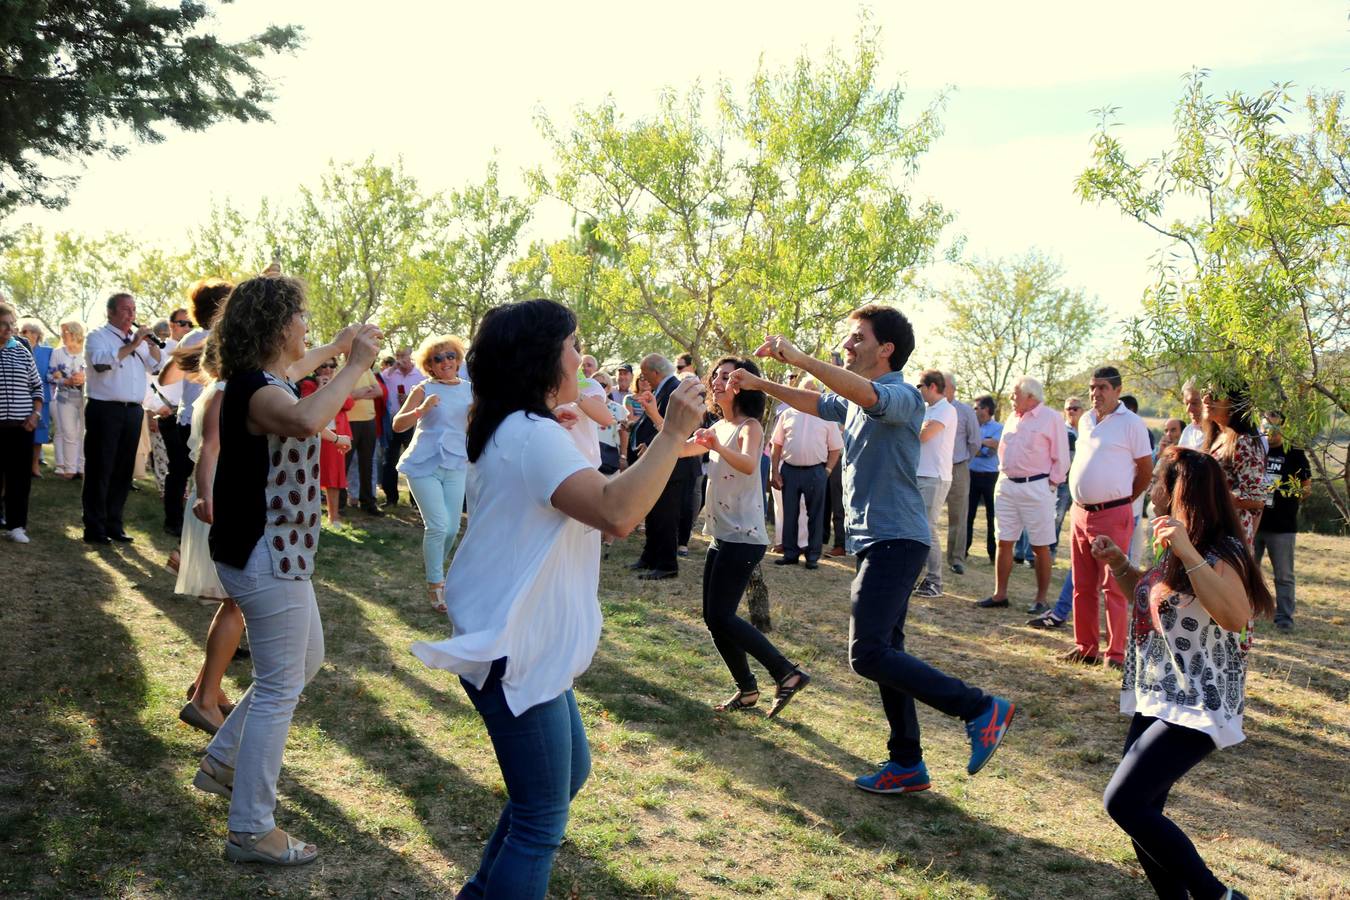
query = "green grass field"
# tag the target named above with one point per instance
(389, 770)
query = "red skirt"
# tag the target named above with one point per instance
(332, 463)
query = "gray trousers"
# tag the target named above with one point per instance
(286, 639)
(934, 493)
(809, 483)
(958, 507)
(1281, 547)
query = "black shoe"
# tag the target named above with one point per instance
(784, 561)
(812, 564)
(958, 568)
(638, 566)
(658, 575)
(373, 510)
(135, 487)
(122, 537)
(1046, 621)
(1039, 609)
(98, 540)
(390, 502)
(991, 603)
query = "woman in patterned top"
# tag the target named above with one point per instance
(1185, 663)
(264, 517)
(1232, 437)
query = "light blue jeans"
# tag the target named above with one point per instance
(440, 499)
(286, 639)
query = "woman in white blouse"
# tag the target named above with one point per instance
(66, 373)
(521, 590)
(1185, 660)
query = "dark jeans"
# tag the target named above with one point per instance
(887, 573)
(180, 468)
(834, 505)
(810, 483)
(693, 502)
(398, 442)
(16, 472)
(363, 445)
(111, 432)
(544, 758)
(726, 573)
(1157, 754)
(663, 526)
(982, 491)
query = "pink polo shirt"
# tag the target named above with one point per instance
(1036, 443)
(806, 440)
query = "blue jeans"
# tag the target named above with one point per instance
(1063, 502)
(1064, 605)
(887, 572)
(544, 760)
(440, 499)
(1022, 549)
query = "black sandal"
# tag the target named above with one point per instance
(785, 694)
(737, 701)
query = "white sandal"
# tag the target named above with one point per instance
(214, 778)
(297, 852)
(437, 596)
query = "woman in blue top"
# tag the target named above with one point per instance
(436, 461)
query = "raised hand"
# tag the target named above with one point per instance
(706, 437)
(343, 339)
(779, 348)
(743, 380)
(430, 403)
(365, 346)
(685, 410)
(1170, 532)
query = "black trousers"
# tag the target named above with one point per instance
(982, 491)
(811, 483)
(398, 442)
(363, 443)
(834, 505)
(693, 502)
(726, 573)
(180, 469)
(663, 526)
(111, 432)
(16, 472)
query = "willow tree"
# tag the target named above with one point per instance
(782, 207)
(1253, 288)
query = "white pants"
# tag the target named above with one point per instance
(286, 639)
(68, 418)
(1028, 505)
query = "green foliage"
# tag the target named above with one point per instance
(1011, 318)
(1254, 287)
(75, 73)
(778, 211)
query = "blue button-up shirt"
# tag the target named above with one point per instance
(986, 460)
(881, 462)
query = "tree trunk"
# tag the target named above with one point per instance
(759, 601)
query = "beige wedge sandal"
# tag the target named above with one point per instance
(297, 852)
(214, 778)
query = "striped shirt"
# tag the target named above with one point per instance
(20, 385)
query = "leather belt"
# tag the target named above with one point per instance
(1028, 478)
(1109, 504)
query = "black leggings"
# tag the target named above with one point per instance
(1157, 754)
(726, 572)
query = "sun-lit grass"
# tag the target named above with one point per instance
(389, 771)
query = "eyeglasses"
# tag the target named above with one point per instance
(181, 323)
(447, 356)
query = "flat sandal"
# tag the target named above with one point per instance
(297, 852)
(783, 696)
(737, 701)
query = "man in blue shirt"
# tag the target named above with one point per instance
(984, 471)
(888, 533)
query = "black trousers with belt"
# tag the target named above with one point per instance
(180, 469)
(111, 432)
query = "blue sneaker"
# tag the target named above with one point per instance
(987, 730)
(893, 778)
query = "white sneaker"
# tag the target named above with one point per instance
(18, 536)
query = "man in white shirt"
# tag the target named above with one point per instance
(1193, 435)
(806, 450)
(966, 445)
(937, 441)
(118, 359)
(1113, 464)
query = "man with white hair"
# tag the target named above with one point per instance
(1193, 435)
(967, 444)
(1033, 460)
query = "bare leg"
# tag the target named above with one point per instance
(1003, 569)
(1042, 555)
(222, 639)
(334, 517)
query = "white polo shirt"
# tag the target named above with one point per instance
(1192, 437)
(935, 454)
(1103, 462)
(110, 378)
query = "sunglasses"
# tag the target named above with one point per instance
(448, 356)
(181, 323)
(328, 366)
(1073, 408)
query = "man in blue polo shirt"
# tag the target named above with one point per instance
(888, 533)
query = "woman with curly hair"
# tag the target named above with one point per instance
(1184, 685)
(523, 583)
(436, 462)
(1233, 438)
(735, 521)
(264, 533)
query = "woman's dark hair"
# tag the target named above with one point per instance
(251, 323)
(989, 405)
(205, 297)
(1198, 494)
(1241, 414)
(889, 326)
(514, 363)
(749, 403)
